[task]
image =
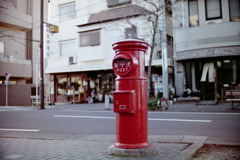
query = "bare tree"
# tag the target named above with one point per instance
(157, 10)
(150, 13)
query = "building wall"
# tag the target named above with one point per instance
(20, 28)
(208, 36)
(18, 94)
(91, 55)
(211, 39)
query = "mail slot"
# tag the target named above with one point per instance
(124, 101)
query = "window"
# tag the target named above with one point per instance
(193, 13)
(67, 11)
(113, 3)
(131, 33)
(68, 48)
(67, 84)
(213, 9)
(90, 38)
(234, 10)
(1, 47)
(62, 85)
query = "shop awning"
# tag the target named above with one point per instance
(76, 68)
(208, 68)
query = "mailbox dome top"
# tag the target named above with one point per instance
(130, 44)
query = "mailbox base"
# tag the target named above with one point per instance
(132, 152)
(132, 146)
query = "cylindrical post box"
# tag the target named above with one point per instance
(130, 96)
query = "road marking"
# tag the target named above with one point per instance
(14, 156)
(20, 130)
(108, 111)
(179, 120)
(217, 113)
(150, 119)
(93, 117)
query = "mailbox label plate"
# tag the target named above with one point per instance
(124, 101)
(122, 67)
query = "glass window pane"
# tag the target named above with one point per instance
(84, 39)
(72, 11)
(72, 48)
(68, 48)
(95, 38)
(234, 10)
(62, 86)
(63, 49)
(213, 9)
(193, 13)
(67, 11)
(90, 38)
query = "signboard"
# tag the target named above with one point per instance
(122, 67)
(6, 82)
(47, 40)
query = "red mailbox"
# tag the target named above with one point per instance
(130, 97)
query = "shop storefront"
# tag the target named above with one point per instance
(211, 78)
(81, 87)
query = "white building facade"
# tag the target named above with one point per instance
(80, 60)
(207, 47)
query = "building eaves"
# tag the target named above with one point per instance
(115, 14)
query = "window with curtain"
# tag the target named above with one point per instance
(90, 38)
(193, 13)
(68, 48)
(67, 11)
(213, 9)
(234, 7)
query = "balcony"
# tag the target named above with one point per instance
(15, 19)
(16, 67)
(199, 42)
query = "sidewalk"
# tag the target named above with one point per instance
(94, 147)
(177, 107)
(26, 146)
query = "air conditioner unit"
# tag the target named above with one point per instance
(72, 60)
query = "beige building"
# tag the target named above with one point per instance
(19, 49)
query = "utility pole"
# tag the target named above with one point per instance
(163, 28)
(41, 56)
(37, 80)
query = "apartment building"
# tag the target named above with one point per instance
(19, 49)
(206, 47)
(80, 56)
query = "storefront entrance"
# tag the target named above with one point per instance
(213, 78)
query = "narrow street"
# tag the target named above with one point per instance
(93, 119)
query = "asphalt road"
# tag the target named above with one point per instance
(103, 122)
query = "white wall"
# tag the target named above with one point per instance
(89, 56)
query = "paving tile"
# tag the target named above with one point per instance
(77, 149)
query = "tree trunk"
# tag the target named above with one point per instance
(149, 80)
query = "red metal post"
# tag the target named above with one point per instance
(130, 97)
